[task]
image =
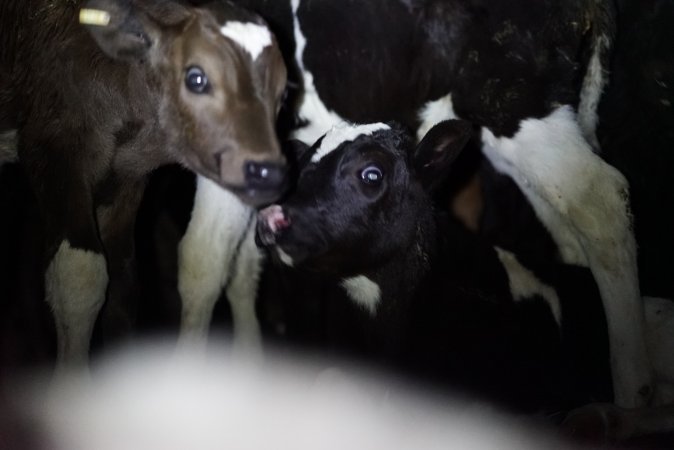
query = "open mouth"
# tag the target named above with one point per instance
(270, 222)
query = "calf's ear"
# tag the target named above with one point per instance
(438, 149)
(295, 150)
(129, 29)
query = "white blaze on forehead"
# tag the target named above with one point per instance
(364, 292)
(344, 132)
(252, 37)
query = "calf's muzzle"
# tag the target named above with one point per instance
(264, 175)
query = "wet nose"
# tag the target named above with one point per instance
(264, 175)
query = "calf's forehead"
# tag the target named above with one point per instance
(341, 135)
(241, 57)
(240, 29)
(252, 37)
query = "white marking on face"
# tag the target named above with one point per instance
(590, 94)
(364, 292)
(252, 37)
(524, 283)
(284, 257)
(312, 109)
(344, 132)
(435, 112)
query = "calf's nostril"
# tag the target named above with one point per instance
(264, 174)
(257, 170)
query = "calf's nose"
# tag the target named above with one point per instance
(264, 175)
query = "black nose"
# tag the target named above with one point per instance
(264, 175)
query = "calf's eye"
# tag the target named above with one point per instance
(196, 80)
(372, 175)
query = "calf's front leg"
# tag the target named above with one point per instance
(60, 173)
(242, 291)
(75, 283)
(76, 276)
(216, 251)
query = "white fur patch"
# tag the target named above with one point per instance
(344, 132)
(252, 37)
(435, 112)
(311, 109)
(284, 257)
(524, 283)
(75, 283)
(364, 292)
(590, 94)
(542, 158)
(584, 203)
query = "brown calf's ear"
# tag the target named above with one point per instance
(128, 30)
(438, 149)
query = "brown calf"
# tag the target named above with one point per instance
(95, 110)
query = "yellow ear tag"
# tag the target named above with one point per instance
(94, 17)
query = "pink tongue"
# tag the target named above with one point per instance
(274, 217)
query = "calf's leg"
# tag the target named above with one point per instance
(61, 171)
(584, 204)
(242, 292)
(75, 283)
(217, 232)
(76, 276)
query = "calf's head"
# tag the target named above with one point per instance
(362, 196)
(220, 77)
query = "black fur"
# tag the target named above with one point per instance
(445, 312)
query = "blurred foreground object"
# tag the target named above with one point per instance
(156, 399)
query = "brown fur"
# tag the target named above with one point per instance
(96, 110)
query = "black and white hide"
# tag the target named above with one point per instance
(528, 75)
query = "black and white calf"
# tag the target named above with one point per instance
(425, 296)
(97, 108)
(529, 74)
